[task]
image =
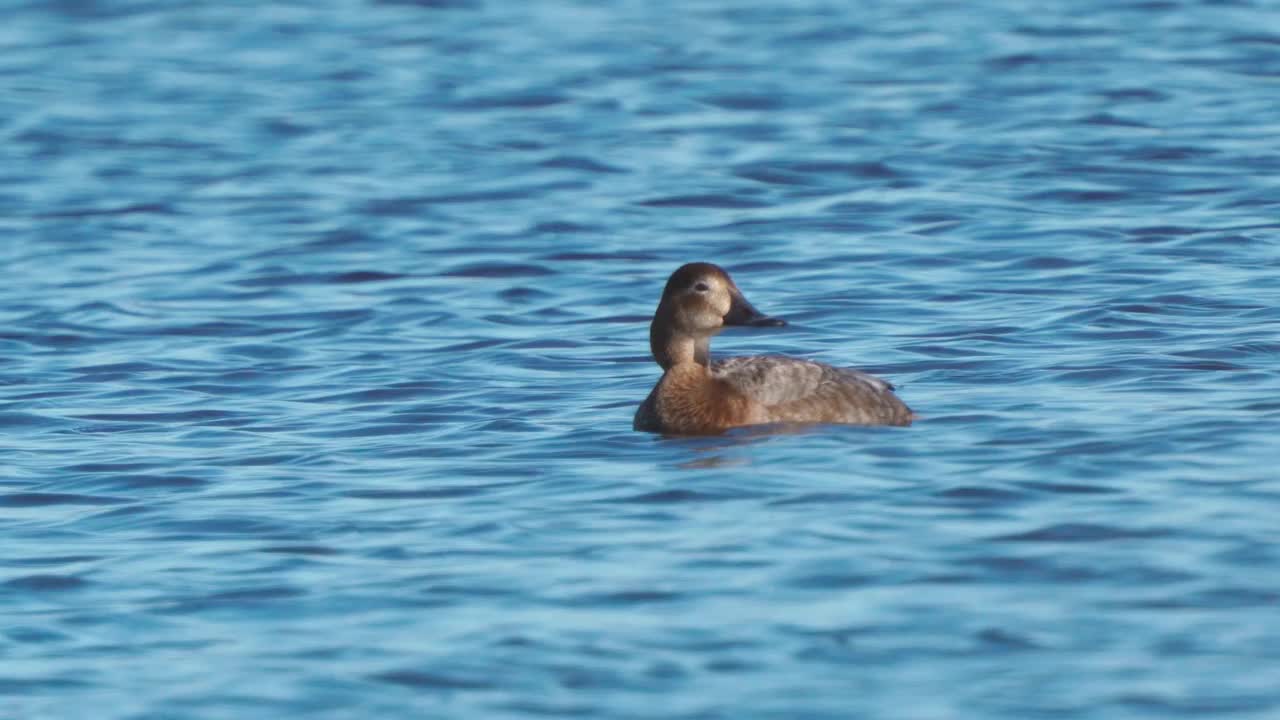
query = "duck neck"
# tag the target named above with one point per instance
(670, 349)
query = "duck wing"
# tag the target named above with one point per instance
(794, 390)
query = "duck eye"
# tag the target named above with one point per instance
(701, 287)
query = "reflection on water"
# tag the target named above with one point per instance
(708, 452)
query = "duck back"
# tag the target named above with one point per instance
(794, 390)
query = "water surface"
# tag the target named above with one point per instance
(323, 326)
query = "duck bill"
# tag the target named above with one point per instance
(742, 312)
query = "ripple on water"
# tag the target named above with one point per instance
(45, 583)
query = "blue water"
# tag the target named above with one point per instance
(323, 324)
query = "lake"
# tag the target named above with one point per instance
(324, 324)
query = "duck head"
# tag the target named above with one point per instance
(700, 299)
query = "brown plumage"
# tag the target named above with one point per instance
(698, 397)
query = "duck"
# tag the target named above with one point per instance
(697, 396)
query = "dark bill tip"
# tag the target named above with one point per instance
(744, 313)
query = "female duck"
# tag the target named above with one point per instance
(698, 397)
